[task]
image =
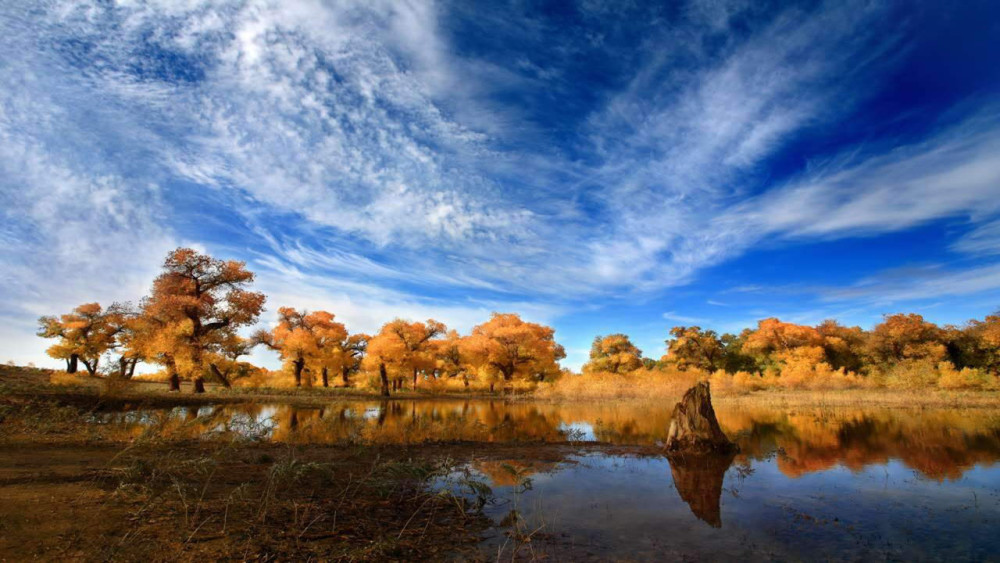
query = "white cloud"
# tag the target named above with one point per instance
(357, 121)
(914, 284)
(956, 172)
(677, 157)
(672, 316)
(983, 240)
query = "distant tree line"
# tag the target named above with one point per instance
(190, 326)
(780, 347)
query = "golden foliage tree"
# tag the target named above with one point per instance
(844, 346)
(449, 361)
(228, 367)
(353, 350)
(508, 348)
(613, 353)
(123, 321)
(987, 332)
(773, 336)
(197, 303)
(84, 336)
(402, 348)
(306, 339)
(330, 339)
(386, 351)
(693, 347)
(904, 337)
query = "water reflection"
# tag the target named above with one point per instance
(937, 443)
(698, 480)
(863, 483)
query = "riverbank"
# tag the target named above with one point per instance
(105, 393)
(125, 475)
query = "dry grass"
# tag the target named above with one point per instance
(906, 384)
(903, 385)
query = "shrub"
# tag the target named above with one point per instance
(966, 378)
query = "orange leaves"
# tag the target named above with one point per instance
(614, 353)
(85, 334)
(905, 337)
(509, 348)
(314, 340)
(197, 305)
(773, 335)
(694, 347)
(405, 347)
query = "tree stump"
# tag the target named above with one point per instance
(693, 426)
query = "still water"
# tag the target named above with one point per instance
(808, 483)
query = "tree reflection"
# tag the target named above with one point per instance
(937, 443)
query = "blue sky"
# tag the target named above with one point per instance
(600, 166)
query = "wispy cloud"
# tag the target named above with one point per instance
(913, 284)
(672, 316)
(983, 240)
(373, 158)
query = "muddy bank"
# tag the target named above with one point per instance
(261, 501)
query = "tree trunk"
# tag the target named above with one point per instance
(344, 372)
(414, 379)
(326, 378)
(693, 426)
(175, 381)
(465, 380)
(221, 376)
(298, 364)
(91, 369)
(199, 384)
(123, 367)
(71, 363)
(131, 368)
(385, 380)
(491, 386)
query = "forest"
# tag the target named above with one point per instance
(197, 325)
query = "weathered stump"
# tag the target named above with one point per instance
(693, 426)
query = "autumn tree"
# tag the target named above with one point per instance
(84, 335)
(385, 352)
(353, 350)
(613, 353)
(196, 304)
(305, 339)
(330, 339)
(904, 337)
(508, 348)
(844, 346)
(734, 359)
(775, 342)
(977, 344)
(694, 347)
(988, 334)
(228, 367)
(449, 361)
(122, 319)
(412, 345)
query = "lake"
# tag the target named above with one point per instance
(589, 480)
